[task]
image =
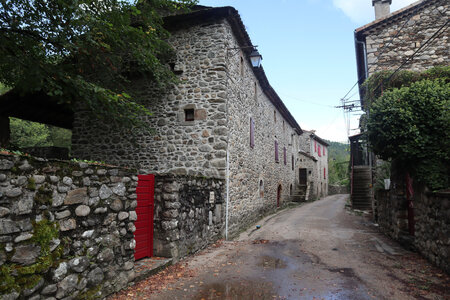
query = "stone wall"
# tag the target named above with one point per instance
(194, 148)
(189, 214)
(338, 189)
(66, 229)
(431, 217)
(419, 29)
(254, 174)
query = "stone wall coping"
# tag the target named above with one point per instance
(75, 163)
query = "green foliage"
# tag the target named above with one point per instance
(17, 277)
(31, 134)
(383, 172)
(412, 125)
(338, 161)
(3, 88)
(383, 81)
(86, 50)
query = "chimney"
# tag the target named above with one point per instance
(382, 8)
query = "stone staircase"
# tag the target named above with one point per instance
(299, 193)
(362, 191)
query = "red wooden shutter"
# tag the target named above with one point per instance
(276, 151)
(319, 152)
(315, 146)
(284, 155)
(252, 133)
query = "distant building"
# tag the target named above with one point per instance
(313, 165)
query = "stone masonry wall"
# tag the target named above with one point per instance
(194, 148)
(419, 29)
(254, 173)
(189, 214)
(431, 217)
(66, 229)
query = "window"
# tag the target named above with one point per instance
(276, 152)
(252, 133)
(284, 155)
(242, 66)
(256, 91)
(315, 146)
(275, 116)
(261, 189)
(319, 152)
(189, 114)
(324, 173)
(323, 150)
(292, 162)
(283, 126)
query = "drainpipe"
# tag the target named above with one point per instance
(227, 173)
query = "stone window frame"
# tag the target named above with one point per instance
(199, 114)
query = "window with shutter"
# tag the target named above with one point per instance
(324, 151)
(315, 146)
(324, 173)
(252, 133)
(292, 162)
(284, 155)
(276, 152)
(319, 152)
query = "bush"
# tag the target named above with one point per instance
(412, 125)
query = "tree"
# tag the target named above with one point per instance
(411, 124)
(85, 51)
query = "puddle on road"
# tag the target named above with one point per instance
(236, 290)
(271, 262)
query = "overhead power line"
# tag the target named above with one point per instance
(383, 49)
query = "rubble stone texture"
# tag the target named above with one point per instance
(422, 25)
(91, 248)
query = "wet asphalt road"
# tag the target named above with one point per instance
(314, 251)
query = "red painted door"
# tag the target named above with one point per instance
(144, 224)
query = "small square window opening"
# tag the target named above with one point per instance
(189, 114)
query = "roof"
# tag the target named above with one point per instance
(37, 107)
(205, 15)
(395, 16)
(313, 135)
(307, 155)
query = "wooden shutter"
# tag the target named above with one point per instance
(315, 146)
(252, 133)
(324, 173)
(320, 153)
(284, 155)
(276, 151)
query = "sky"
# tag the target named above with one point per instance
(309, 55)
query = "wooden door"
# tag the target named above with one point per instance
(302, 176)
(144, 225)
(278, 195)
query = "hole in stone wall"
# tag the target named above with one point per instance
(189, 114)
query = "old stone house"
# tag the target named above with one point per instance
(313, 165)
(414, 38)
(225, 146)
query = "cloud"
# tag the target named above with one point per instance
(361, 11)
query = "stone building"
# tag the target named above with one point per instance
(414, 38)
(387, 43)
(313, 165)
(223, 123)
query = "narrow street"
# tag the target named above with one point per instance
(315, 251)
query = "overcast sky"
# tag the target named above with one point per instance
(309, 54)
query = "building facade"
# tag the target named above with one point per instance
(313, 157)
(222, 121)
